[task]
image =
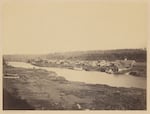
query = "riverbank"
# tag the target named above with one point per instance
(45, 90)
(138, 69)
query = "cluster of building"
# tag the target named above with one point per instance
(102, 65)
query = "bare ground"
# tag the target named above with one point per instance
(43, 90)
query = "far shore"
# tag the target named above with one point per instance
(138, 69)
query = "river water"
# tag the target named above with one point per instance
(91, 77)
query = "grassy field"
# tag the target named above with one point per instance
(43, 90)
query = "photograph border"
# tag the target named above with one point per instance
(79, 112)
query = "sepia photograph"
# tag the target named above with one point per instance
(74, 55)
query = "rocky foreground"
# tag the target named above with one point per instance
(42, 90)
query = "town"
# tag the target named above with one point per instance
(112, 67)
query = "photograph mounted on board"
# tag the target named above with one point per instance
(74, 55)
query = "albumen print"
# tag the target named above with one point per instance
(74, 55)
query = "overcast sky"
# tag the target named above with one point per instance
(33, 28)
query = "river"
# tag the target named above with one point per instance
(91, 77)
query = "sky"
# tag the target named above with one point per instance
(32, 28)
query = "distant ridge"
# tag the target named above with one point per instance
(117, 54)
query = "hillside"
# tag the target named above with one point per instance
(131, 54)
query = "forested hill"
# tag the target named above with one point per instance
(131, 54)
